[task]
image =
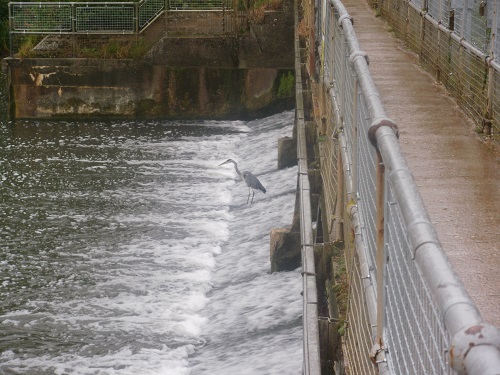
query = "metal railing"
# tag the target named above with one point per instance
(118, 18)
(457, 41)
(84, 17)
(311, 354)
(408, 313)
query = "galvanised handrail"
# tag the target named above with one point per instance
(440, 319)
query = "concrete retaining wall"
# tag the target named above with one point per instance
(219, 77)
(44, 88)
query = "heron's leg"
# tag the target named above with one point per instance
(253, 194)
(248, 198)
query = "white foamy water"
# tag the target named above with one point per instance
(129, 250)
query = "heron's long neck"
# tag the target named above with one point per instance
(236, 168)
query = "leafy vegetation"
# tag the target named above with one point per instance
(338, 288)
(287, 84)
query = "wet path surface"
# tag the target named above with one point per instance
(457, 175)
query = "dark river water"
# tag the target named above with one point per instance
(126, 249)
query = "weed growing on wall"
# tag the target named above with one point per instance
(287, 84)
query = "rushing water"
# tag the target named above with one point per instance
(126, 249)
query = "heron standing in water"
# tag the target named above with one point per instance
(251, 181)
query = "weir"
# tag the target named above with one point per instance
(376, 280)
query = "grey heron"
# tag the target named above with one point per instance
(252, 182)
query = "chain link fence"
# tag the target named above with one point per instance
(407, 311)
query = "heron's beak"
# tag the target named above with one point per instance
(224, 163)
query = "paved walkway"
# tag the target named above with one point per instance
(458, 176)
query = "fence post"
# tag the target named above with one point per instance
(463, 21)
(380, 186)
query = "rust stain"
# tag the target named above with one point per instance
(452, 355)
(474, 330)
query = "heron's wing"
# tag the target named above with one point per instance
(253, 182)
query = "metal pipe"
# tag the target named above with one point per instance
(457, 310)
(380, 203)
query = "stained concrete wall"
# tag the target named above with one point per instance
(118, 88)
(219, 77)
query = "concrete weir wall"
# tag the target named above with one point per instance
(218, 77)
(119, 88)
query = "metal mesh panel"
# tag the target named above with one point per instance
(199, 4)
(470, 25)
(495, 131)
(451, 74)
(347, 104)
(148, 10)
(366, 199)
(358, 340)
(399, 19)
(341, 75)
(444, 67)
(338, 55)
(461, 69)
(439, 10)
(413, 35)
(329, 170)
(434, 9)
(413, 324)
(329, 173)
(393, 9)
(473, 90)
(414, 333)
(328, 46)
(105, 18)
(430, 43)
(418, 3)
(38, 18)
